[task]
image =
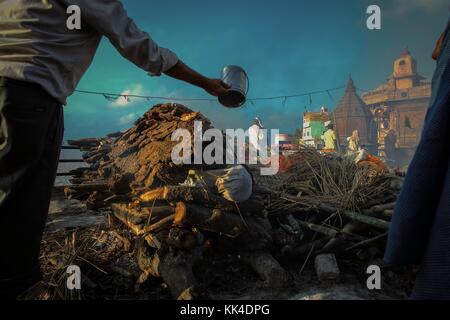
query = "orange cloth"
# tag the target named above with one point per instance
(374, 162)
(285, 163)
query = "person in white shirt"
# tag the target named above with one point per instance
(353, 143)
(256, 136)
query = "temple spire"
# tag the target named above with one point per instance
(406, 52)
(350, 84)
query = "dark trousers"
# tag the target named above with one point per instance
(31, 132)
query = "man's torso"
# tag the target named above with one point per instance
(37, 46)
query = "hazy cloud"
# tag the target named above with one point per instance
(127, 119)
(125, 101)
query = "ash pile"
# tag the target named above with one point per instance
(320, 212)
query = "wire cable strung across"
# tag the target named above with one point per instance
(284, 98)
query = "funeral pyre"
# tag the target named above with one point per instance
(322, 211)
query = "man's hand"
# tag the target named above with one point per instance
(216, 87)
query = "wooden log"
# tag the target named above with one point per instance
(320, 229)
(123, 213)
(384, 211)
(84, 142)
(359, 217)
(188, 195)
(135, 227)
(195, 216)
(382, 207)
(367, 242)
(162, 224)
(174, 267)
(387, 198)
(267, 268)
(142, 214)
(90, 187)
(141, 224)
(371, 221)
(249, 232)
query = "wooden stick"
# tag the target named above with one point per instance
(374, 222)
(366, 242)
(165, 223)
(320, 229)
(382, 207)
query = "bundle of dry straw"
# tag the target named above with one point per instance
(316, 181)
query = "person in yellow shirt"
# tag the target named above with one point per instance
(329, 137)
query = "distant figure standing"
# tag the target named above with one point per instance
(390, 145)
(329, 137)
(256, 135)
(353, 143)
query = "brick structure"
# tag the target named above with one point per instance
(399, 106)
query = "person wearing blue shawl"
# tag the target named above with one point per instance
(420, 229)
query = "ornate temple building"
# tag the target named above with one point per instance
(389, 117)
(399, 106)
(353, 114)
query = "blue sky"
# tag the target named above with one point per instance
(286, 47)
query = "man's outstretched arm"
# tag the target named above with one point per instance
(180, 71)
(110, 19)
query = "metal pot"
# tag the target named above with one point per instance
(237, 78)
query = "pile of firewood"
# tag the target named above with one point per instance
(134, 175)
(322, 204)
